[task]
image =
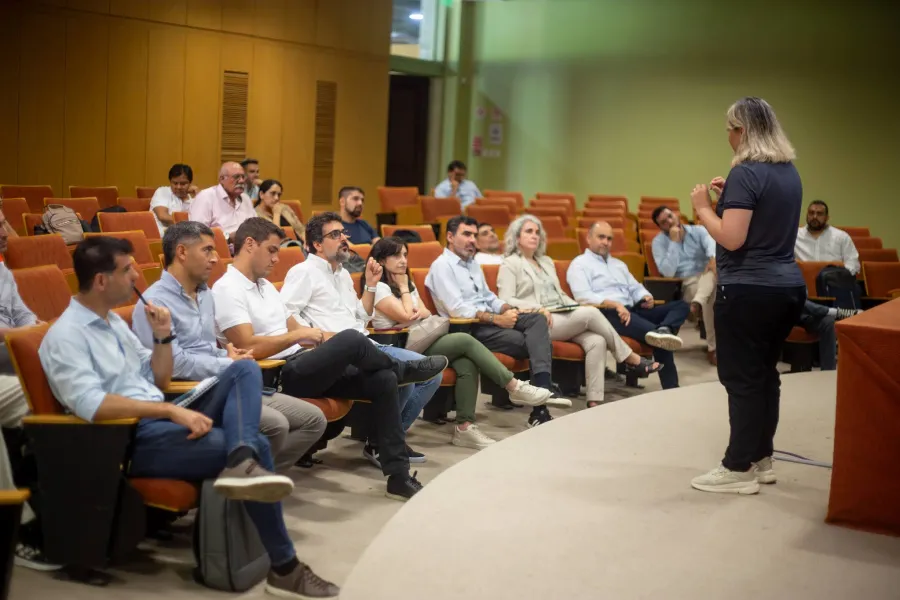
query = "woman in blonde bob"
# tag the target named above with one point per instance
(527, 280)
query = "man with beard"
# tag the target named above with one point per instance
(224, 205)
(488, 244)
(351, 200)
(818, 241)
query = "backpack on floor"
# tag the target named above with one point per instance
(229, 553)
(63, 220)
(840, 284)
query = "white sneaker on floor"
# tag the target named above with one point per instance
(32, 558)
(664, 338)
(471, 438)
(559, 402)
(724, 481)
(529, 395)
(765, 470)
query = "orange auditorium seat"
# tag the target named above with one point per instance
(44, 290)
(570, 198)
(517, 196)
(393, 197)
(568, 203)
(107, 196)
(38, 250)
(490, 276)
(129, 221)
(563, 248)
(362, 249)
(855, 232)
(601, 214)
(180, 216)
(614, 222)
(422, 255)
(434, 209)
(219, 269)
(287, 258)
(142, 254)
(551, 211)
(497, 216)
(509, 203)
(34, 195)
(221, 243)
(863, 243)
(426, 232)
(14, 210)
(658, 201)
(85, 207)
(882, 279)
(135, 204)
(297, 207)
(811, 270)
(882, 255)
(144, 191)
(554, 228)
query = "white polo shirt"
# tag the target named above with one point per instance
(240, 301)
(163, 196)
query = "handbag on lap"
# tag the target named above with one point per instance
(426, 332)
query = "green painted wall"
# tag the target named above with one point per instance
(629, 96)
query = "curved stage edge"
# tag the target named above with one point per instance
(598, 504)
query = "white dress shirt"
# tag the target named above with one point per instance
(239, 301)
(594, 279)
(459, 289)
(163, 196)
(483, 258)
(324, 298)
(832, 244)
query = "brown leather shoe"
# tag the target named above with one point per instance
(300, 583)
(711, 357)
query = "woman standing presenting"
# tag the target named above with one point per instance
(760, 292)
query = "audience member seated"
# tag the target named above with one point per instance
(254, 180)
(527, 280)
(270, 208)
(351, 200)
(457, 186)
(175, 197)
(819, 241)
(819, 320)
(291, 425)
(251, 315)
(488, 244)
(224, 205)
(459, 290)
(689, 252)
(319, 293)
(397, 304)
(595, 277)
(99, 370)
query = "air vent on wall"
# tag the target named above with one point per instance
(235, 87)
(323, 156)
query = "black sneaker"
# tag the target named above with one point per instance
(414, 457)
(419, 371)
(371, 454)
(539, 418)
(32, 558)
(846, 313)
(402, 487)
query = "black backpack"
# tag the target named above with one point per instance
(840, 284)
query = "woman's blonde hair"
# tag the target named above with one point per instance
(511, 239)
(763, 139)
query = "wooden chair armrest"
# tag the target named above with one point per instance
(180, 387)
(894, 293)
(13, 497)
(270, 363)
(672, 279)
(389, 331)
(73, 420)
(461, 321)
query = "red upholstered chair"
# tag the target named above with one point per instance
(142, 254)
(517, 196)
(497, 216)
(510, 203)
(882, 279)
(855, 232)
(287, 258)
(86, 207)
(422, 255)
(37, 250)
(426, 232)
(34, 195)
(393, 197)
(435, 209)
(107, 196)
(14, 209)
(144, 191)
(44, 290)
(873, 255)
(297, 207)
(135, 204)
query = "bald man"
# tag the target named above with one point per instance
(224, 205)
(598, 278)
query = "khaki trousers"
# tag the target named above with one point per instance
(13, 407)
(702, 290)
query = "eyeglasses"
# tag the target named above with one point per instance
(337, 233)
(238, 177)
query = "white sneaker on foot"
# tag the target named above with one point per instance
(664, 338)
(725, 481)
(559, 402)
(765, 470)
(472, 437)
(529, 395)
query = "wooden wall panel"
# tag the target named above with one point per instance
(135, 9)
(87, 57)
(264, 114)
(126, 124)
(165, 102)
(97, 6)
(10, 45)
(206, 14)
(202, 105)
(168, 11)
(297, 119)
(300, 21)
(238, 16)
(42, 100)
(270, 18)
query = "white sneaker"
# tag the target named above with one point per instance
(529, 395)
(765, 470)
(724, 481)
(471, 438)
(559, 402)
(664, 338)
(32, 558)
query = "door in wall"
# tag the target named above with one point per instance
(408, 132)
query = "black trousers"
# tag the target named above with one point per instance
(350, 366)
(752, 323)
(530, 338)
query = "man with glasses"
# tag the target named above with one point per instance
(225, 205)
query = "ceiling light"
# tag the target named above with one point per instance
(416, 16)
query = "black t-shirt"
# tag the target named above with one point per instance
(360, 232)
(774, 193)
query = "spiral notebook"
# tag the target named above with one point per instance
(201, 388)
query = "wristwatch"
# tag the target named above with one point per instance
(371, 289)
(165, 340)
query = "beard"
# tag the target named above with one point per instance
(355, 212)
(343, 253)
(815, 225)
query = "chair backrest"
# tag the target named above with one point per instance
(422, 255)
(570, 198)
(620, 243)
(141, 253)
(634, 261)
(554, 227)
(873, 255)
(135, 204)
(106, 195)
(510, 203)
(289, 232)
(811, 270)
(607, 198)
(563, 248)
(32, 220)
(219, 269)
(419, 276)
(129, 221)
(142, 191)
(614, 222)
(647, 213)
(180, 216)
(435, 208)
(651, 262)
(85, 207)
(581, 237)
(881, 278)
(23, 347)
(126, 312)
(659, 201)
(426, 232)
(856, 232)
(498, 216)
(392, 197)
(362, 249)
(550, 211)
(287, 258)
(221, 243)
(13, 209)
(44, 290)
(356, 278)
(861, 243)
(519, 198)
(34, 195)
(37, 250)
(552, 203)
(490, 276)
(562, 268)
(297, 207)
(603, 213)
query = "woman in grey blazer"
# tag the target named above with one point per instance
(527, 280)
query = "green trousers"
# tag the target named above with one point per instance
(468, 357)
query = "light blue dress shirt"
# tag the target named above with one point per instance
(86, 357)
(13, 313)
(594, 279)
(687, 258)
(467, 191)
(458, 287)
(195, 353)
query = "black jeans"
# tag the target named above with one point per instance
(643, 321)
(530, 338)
(752, 322)
(350, 366)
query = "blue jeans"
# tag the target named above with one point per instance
(162, 450)
(413, 398)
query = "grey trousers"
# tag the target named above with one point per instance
(292, 427)
(530, 338)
